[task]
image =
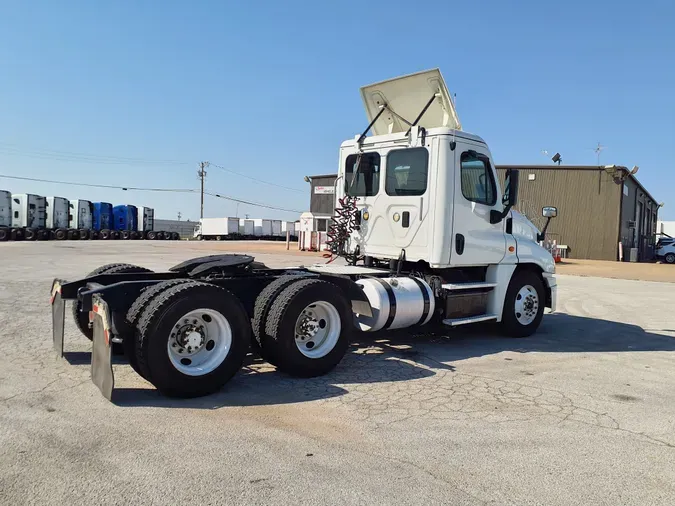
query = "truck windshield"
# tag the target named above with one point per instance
(364, 180)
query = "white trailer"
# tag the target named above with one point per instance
(5, 215)
(262, 228)
(80, 218)
(276, 228)
(217, 228)
(288, 226)
(246, 227)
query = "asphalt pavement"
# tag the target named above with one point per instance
(581, 413)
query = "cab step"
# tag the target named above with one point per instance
(454, 322)
(452, 287)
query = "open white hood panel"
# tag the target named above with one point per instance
(407, 96)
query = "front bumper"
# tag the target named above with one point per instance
(552, 289)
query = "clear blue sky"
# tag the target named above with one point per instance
(270, 89)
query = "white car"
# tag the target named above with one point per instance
(665, 250)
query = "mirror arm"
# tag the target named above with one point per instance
(542, 235)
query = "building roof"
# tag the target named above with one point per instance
(579, 167)
(322, 175)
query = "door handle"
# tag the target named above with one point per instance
(459, 244)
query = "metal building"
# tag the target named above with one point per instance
(598, 209)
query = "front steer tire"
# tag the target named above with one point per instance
(511, 325)
(158, 321)
(283, 317)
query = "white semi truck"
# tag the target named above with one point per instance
(217, 229)
(5, 215)
(28, 217)
(423, 231)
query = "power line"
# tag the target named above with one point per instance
(52, 154)
(135, 188)
(91, 185)
(256, 179)
(257, 204)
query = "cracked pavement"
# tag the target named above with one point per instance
(582, 413)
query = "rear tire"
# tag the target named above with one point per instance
(30, 235)
(152, 235)
(134, 313)
(17, 234)
(81, 318)
(61, 234)
(175, 236)
(220, 337)
(260, 344)
(322, 310)
(669, 258)
(73, 234)
(125, 234)
(43, 235)
(4, 234)
(135, 235)
(104, 234)
(523, 305)
(84, 234)
(114, 234)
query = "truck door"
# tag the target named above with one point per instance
(476, 241)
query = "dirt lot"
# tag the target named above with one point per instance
(618, 270)
(581, 413)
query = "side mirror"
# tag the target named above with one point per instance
(509, 198)
(549, 212)
(511, 188)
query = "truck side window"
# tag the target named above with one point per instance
(478, 184)
(366, 183)
(407, 171)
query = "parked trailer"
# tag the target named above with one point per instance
(187, 330)
(276, 228)
(246, 228)
(217, 229)
(288, 226)
(262, 228)
(80, 218)
(28, 217)
(5, 215)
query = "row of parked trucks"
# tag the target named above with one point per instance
(30, 217)
(221, 229)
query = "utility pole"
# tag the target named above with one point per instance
(179, 215)
(201, 174)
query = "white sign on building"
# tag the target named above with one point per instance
(324, 190)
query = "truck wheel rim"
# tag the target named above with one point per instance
(317, 329)
(670, 258)
(527, 305)
(199, 342)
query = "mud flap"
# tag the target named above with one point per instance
(101, 354)
(58, 316)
